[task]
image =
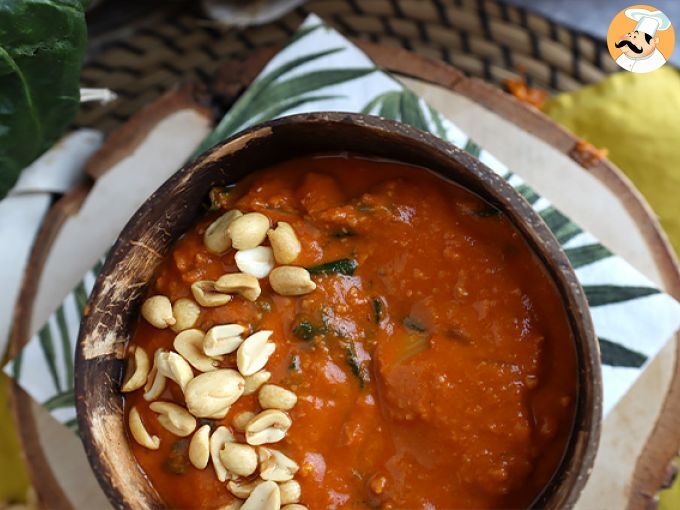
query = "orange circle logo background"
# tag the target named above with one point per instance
(621, 24)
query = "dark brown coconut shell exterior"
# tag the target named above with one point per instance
(175, 206)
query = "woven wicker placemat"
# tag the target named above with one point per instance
(484, 38)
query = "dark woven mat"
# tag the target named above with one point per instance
(484, 38)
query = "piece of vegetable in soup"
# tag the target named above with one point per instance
(340, 332)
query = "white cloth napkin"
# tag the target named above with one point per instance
(22, 211)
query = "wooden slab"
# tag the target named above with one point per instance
(638, 437)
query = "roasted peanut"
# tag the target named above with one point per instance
(199, 447)
(205, 294)
(248, 231)
(189, 344)
(241, 420)
(157, 310)
(139, 432)
(155, 382)
(275, 466)
(174, 418)
(254, 352)
(253, 382)
(175, 367)
(276, 397)
(290, 492)
(284, 243)
(258, 261)
(269, 426)
(239, 459)
(186, 312)
(242, 489)
(211, 394)
(216, 237)
(219, 438)
(223, 339)
(137, 369)
(265, 496)
(239, 283)
(291, 281)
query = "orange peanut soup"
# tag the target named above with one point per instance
(433, 363)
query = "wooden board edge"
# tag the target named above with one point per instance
(124, 140)
(49, 492)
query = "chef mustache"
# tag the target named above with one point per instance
(626, 42)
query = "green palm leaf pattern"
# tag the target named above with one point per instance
(599, 295)
(616, 355)
(281, 108)
(60, 400)
(47, 345)
(472, 148)
(528, 193)
(65, 346)
(436, 117)
(587, 254)
(563, 228)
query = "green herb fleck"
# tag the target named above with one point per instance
(342, 266)
(414, 325)
(355, 364)
(177, 462)
(378, 309)
(342, 233)
(304, 330)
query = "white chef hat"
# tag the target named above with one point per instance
(648, 21)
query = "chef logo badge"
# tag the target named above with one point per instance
(640, 39)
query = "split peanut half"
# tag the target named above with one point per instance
(139, 432)
(239, 283)
(291, 281)
(294, 506)
(239, 459)
(199, 447)
(276, 397)
(265, 496)
(175, 367)
(276, 466)
(258, 261)
(219, 438)
(189, 344)
(157, 310)
(136, 370)
(254, 352)
(211, 394)
(269, 426)
(216, 237)
(242, 489)
(285, 243)
(186, 313)
(248, 231)
(253, 382)
(241, 420)
(205, 294)
(290, 492)
(223, 339)
(174, 418)
(155, 382)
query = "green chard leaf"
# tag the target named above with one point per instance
(42, 44)
(343, 266)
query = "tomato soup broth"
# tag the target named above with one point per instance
(433, 364)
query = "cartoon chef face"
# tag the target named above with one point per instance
(637, 44)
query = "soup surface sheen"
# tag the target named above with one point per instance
(441, 374)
